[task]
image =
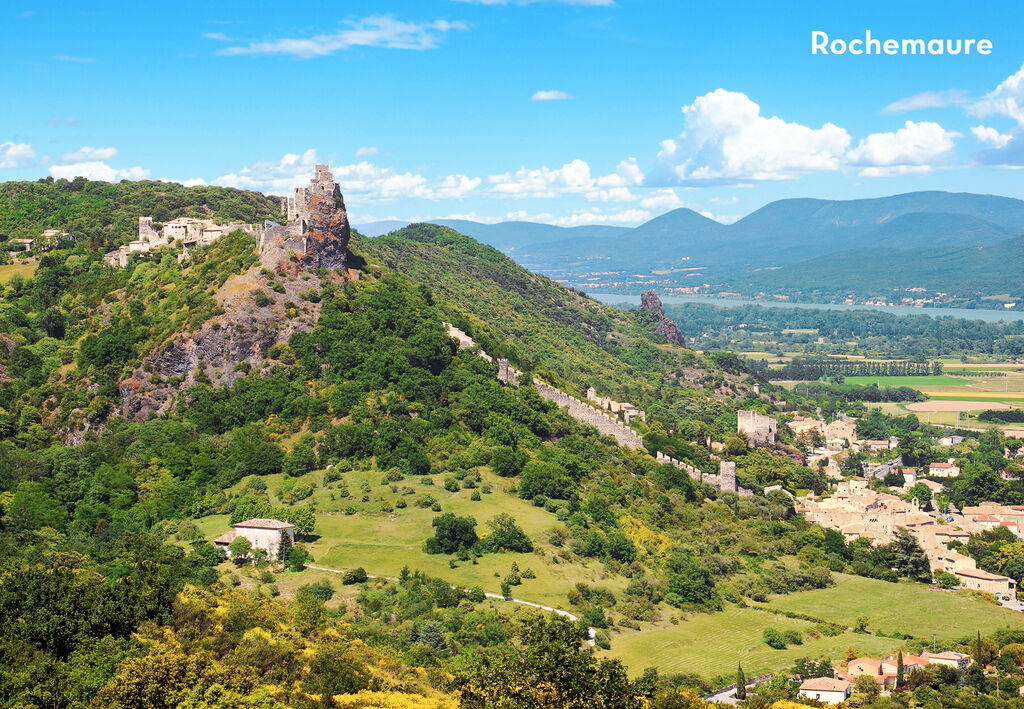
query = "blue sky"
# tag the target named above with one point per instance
(564, 112)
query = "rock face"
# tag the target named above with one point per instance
(649, 300)
(317, 233)
(328, 232)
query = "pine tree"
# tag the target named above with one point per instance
(741, 683)
(899, 669)
(977, 650)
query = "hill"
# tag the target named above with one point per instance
(671, 248)
(335, 399)
(107, 215)
(967, 273)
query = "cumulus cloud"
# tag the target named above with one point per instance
(87, 154)
(369, 183)
(551, 95)
(665, 198)
(928, 99)
(727, 140)
(374, 31)
(913, 148)
(14, 155)
(986, 134)
(98, 170)
(571, 178)
(1007, 99)
(366, 151)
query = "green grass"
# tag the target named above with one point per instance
(913, 609)
(915, 382)
(25, 270)
(713, 644)
(383, 542)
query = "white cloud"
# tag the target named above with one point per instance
(665, 198)
(913, 148)
(74, 59)
(14, 155)
(366, 151)
(551, 95)
(572, 178)
(986, 134)
(370, 183)
(87, 154)
(193, 182)
(217, 36)
(928, 99)
(727, 140)
(98, 170)
(374, 31)
(1007, 99)
(724, 200)
(721, 219)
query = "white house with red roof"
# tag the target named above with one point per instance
(265, 534)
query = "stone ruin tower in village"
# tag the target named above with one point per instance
(317, 232)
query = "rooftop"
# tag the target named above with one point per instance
(825, 684)
(258, 523)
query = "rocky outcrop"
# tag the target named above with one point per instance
(225, 348)
(328, 232)
(650, 301)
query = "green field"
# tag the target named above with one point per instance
(942, 380)
(384, 542)
(713, 644)
(24, 270)
(913, 609)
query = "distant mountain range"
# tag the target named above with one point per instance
(948, 241)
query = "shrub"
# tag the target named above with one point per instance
(774, 639)
(321, 589)
(353, 576)
(261, 299)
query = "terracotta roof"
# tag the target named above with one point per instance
(225, 538)
(941, 465)
(979, 574)
(824, 684)
(258, 523)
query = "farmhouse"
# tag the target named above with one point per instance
(265, 534)
(825, 689)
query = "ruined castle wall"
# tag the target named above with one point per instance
(605, 424)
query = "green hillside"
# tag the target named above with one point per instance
(106, 214)
(967, 272)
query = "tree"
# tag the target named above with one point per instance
(240, 548)
(452, 533)
(432, 635)
(507, 461)
(868, 687)
(921, 493)
(689, 583)
(506, 535)
(546, 667)
(741, 683)
(899, 669)
(908, 557)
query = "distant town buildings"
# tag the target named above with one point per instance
(625, 410)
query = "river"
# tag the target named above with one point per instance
(983, 315)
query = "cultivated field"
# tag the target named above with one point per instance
(913, 609)
(713, 644)
(23, 269)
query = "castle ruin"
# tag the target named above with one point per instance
(759, 429)
(317, 230)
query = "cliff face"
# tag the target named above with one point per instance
(225, 347)
(649, 300)
(327, 232)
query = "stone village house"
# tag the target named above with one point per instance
(265, 534)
